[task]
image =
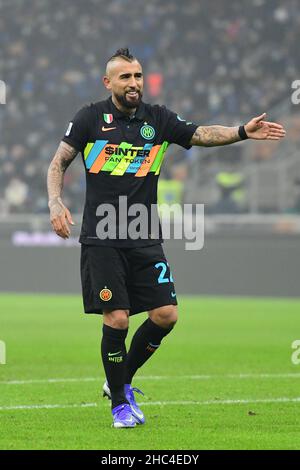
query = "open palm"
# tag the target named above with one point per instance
(259, 129)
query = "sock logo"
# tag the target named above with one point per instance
(152, 347)
(114, 354)
(105, 294)
(115, 359)
(112, 357)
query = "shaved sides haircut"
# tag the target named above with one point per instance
(124, 54)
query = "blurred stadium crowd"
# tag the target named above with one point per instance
(211, 61)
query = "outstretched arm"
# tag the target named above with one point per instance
(60, 216)
(257, 128)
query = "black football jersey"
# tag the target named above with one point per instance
(122, 157)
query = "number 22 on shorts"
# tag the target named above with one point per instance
(163, 267)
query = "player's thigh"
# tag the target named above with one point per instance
(103, 278)
(151, 281)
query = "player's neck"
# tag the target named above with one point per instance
(123, 109)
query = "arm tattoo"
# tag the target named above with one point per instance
(64, 155)
(210, 136)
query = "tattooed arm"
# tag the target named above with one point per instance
(257, 129)
(210, 136)
(59, 214)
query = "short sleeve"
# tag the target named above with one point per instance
(77, 133)
(177, 130)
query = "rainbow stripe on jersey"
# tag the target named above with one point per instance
(124, 158)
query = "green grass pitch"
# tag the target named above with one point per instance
(223, 379)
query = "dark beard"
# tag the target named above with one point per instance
(126, 104)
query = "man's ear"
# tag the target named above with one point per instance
(106, 82)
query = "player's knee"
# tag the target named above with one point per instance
(116, 319)
(165, 316)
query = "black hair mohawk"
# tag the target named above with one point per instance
(124, 53)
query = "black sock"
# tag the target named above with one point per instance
(113, 350)
(144, 343)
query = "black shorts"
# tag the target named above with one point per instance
(137, 279)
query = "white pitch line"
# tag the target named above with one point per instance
(158, 403)
(49, 381)
(47, 407)
(224, 402)
(263, 376)
(156, 377)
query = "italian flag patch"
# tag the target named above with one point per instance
(108, 118)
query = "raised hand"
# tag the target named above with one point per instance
(259, 129)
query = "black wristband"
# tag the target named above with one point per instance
(242, 133)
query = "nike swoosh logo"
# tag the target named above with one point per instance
(139, 415)
(114, 354)
(104, 129)
(173, 294)
(131, 420)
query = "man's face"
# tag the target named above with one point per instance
(125, 81)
